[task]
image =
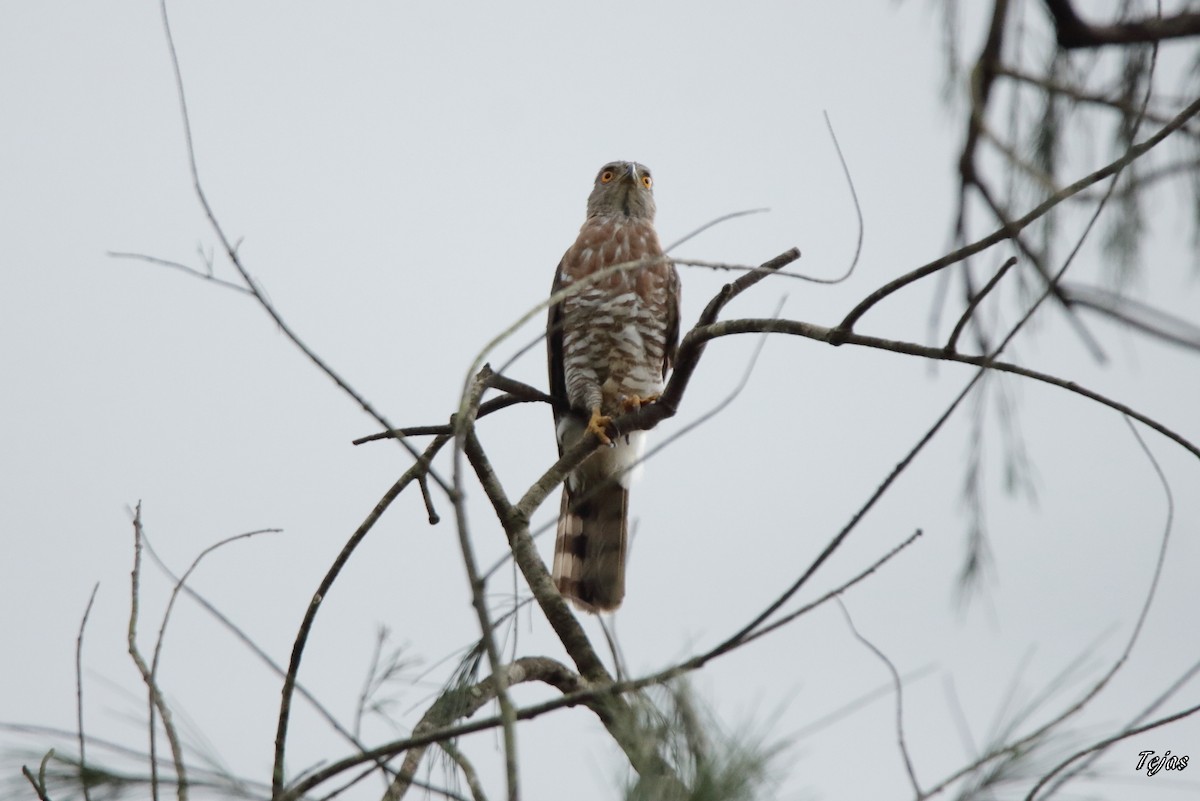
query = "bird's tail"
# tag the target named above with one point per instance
(589, 552)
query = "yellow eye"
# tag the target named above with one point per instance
(607, 176)
(647, 181)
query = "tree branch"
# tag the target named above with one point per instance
(452, 705)
(463, 430)
(157, 702)
(1147, 319)
(1072, 32)
(79, 692)
(1079, 95)
(834, 336)
(898, 687)
(976, 299)
(251, 285)
(310, 614)
(1006, 232)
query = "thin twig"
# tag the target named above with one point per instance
(464, 426)
(179, 584)
(1073, 32)
(1049, 85)
(230, 249)
(39, 781)
(1154, 581)
(739, 637)
(454, 704)
(1035, 258)
(976, 299)
(689, 352)
(310, 613)
(716, 221)
(589, 693)
(117, 254)
(1106, 742)
(862, 701)
(156, 701)
(79, 692)
(468, 770)
(517, 393)
(432, 515)
(985, 364)
(830, 335)
(999, 235)
(832, 594)
(1147, 319)
(250, 644)
(897, 687)
(592, 694)
(858, 242)
(1104, 680)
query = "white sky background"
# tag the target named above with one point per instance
(404, 179)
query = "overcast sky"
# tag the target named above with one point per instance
(403, 179)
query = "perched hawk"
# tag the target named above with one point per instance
(610, 345)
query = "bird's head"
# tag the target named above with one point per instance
(623, 188)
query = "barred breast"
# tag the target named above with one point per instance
(615, 326)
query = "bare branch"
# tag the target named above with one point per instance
(612, 711)
(976, 299)
(310, 614)
(79, 692)
(1082, 96)
(717, 221)
(733, 641)
(464, 427)
(152, 680)
(453, 705)
(858, 241)
(834, 593)
(1016, 746)
(1074, 33)
(251, 645)
(230, 249)
(834, 336)
(596, 695)
(468, 770)
(518, 392)
(432, 515)
(1106, 742)
(739, 637)
(116, 254)
(1158, 567)
(1147, 319)
(1002, 217)
(897, 687)
(1112, 168)
(157, 702)
(39, 782)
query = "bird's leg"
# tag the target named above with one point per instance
(598, 424)
(631, 402)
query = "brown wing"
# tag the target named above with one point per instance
(671, 342)
(554, 350)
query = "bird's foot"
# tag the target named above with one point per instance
(598, 425)
(631, 402)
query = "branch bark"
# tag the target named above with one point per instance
(1073, 33)
(463, 703)
(1005, 232)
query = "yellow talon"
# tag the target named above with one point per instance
(598, 424)
(634, 402)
